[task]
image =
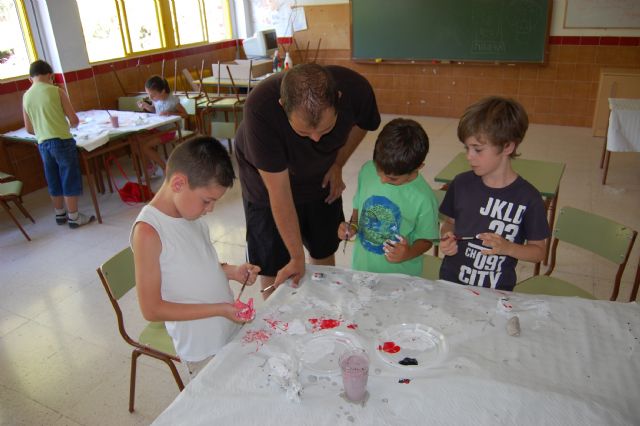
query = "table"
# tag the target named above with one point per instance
(237, 82)
(576, 361)
(623, 131)
(545, 176)
(96, 137)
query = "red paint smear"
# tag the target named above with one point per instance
(323, 323)
(277, 324)
(352, 326)
(260, 337)
(389, 347)
(477, 293)
(404, 381)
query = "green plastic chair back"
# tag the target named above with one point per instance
(119, 272)
(431, 267)
(595, 233)
(544, 284)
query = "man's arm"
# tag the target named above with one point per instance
(286, 218)
(146, 255)
(68, 109)
(27, 123)
(333, 177)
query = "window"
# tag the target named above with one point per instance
(16, 45)
(118, 28)
(188, 22)
(216, 13)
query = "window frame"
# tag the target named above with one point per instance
(27, 34)
(168, 27)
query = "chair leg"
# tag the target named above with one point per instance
(8, 210)
(132, 387)
(604, 151)
(175, 373)
(636, 284)
(23, 210)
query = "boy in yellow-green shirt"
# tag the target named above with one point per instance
(45, 109)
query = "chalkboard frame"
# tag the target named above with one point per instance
(540, 56)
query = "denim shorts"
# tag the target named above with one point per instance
(61, 167)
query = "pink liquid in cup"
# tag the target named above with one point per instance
(355, 372)
(114, 121)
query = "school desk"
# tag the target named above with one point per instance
(623, 131)
(241, 83)
(545, 176)
(575, 361)
(95, 137)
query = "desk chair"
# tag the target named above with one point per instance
(587, 231)
(636, 284)
(118, 277)
(10, 191)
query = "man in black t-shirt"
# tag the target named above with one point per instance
(299, 129)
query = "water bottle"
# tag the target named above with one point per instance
(288, 63)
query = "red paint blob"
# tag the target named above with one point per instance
(324, 323)
(352, 326)
(259, 337)
(277, 324)
(389, 347)
(404, 381)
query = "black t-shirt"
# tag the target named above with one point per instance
(516, 212)
(265, 140)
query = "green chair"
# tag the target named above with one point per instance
(118, 277)
(588, 231)
(10, 192)
(439, 193)
(431, 267)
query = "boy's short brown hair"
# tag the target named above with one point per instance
(204, 161)
(401, 147)
(495, 120)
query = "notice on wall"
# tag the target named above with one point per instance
(283, 15)
(602, 14)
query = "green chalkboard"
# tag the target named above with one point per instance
(450, 30)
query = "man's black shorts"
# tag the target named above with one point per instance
(319, 223)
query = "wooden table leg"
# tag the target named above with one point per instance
(91, 182)
(606, 167)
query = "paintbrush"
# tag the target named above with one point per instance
(272, 286)
(108, 113)
(244, 284)
(346, 238)
(455, 237)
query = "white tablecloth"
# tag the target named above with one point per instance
(95, 127)
(575, 362)
(624, 125)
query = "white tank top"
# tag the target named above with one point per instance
(191, 273)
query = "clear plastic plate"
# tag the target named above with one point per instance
(417, 341)
(319, 352)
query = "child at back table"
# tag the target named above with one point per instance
(491, 201)
(179, 279)
(45, 110)
(395, 211)
(163, 103)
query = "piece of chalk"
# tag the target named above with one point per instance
(513, 326)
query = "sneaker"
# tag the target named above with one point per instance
(80, 221)
(61, 219)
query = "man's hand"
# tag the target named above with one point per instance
(294, 270)
(333, 177)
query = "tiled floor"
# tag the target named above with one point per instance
(62, 361)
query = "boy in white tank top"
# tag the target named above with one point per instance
(179, 278)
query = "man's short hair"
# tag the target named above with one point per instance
(401, 147)
(39, 67)
(308, 89)
(204, 161)
(495, 120)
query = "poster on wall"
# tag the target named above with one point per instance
(283, 15)
(602, 14)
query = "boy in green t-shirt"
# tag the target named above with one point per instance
(395, 211)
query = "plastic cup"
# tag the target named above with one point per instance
(355, 372)
(114, 121)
